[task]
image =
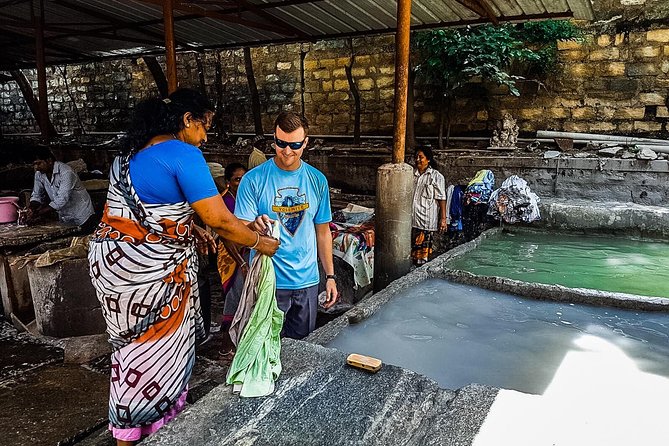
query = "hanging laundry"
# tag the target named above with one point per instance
(455, 209)
(514, 202)
(257, 364)
(480, 188)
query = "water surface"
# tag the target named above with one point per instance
(458, 334)
(607, 263)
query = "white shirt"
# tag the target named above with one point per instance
(65, 194)
(428, 187)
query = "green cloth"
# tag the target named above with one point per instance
(257, 363)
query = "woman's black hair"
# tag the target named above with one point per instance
(155, 116)
(427, 151)
(231, 168)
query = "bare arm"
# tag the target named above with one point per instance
(216, 215)
(324, 245)
(442, 215)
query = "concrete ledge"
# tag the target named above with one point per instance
(321, 401)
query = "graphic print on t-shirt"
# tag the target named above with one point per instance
(290, 206)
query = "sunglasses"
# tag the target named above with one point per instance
(293, 145)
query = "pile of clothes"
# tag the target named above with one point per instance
(480, 188)
(514, 202)
(353, 241)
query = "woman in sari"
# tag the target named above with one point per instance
(143, 261)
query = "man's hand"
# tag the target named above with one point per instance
(331, 293)
(262, 224)
(442, 225)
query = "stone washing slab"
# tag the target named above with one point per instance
(319, 400)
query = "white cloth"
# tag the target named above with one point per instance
(429, 187)
(64, 193)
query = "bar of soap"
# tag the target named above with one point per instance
(364, 362)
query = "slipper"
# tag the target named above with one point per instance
(226, 355)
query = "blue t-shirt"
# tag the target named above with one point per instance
(171, 172)
(299, 199)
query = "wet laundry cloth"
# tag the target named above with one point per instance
(353, 241)
(455, 210)
(514, 202)
(257, 363)
(480, 188)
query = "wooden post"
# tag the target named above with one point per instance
(402, 38)
(170, 52)
(42, 104)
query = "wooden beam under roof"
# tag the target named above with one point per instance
(203, 12)
(271, 5)
(480, 7)
(267, 16)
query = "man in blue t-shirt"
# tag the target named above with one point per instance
(290, 190)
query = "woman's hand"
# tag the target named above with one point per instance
(442, 225)
(204, 242)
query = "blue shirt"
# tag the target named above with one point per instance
(171, 172)
(299, 199)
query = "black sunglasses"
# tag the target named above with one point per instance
(293, 145)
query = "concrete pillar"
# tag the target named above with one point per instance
(392, 250)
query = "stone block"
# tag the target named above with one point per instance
(605, 54)
(341, 85)
(572, 55)
(580, 70)
(625, 127)
(583, 113)
(15, 289)
(338, 96)
(642, 69)
(387, 70)
(647, 126)
(321, 74)
(482, 115)
(365, 84)
(652, 98)
(387, 94)
(310, 65)
(629, 113)
(569, 45)
(662, 112)
(648, 51)
(664, 66)
(385, 81)
(619, 39)
(613, 69)
(339, 73)
(604, 40)
(658, 35)
(358, 71)
(602, 127)
(282, 66)
(327, 63)
(327, 86)
(531, 113)
(626, 85)
(64, 299)
(343, 61)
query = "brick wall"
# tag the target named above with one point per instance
(616, 81)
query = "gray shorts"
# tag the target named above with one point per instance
(299, 308)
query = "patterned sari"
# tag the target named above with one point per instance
(143, 266)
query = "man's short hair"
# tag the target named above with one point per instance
(289, 121)
(42, 153)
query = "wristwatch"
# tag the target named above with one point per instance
(330, 276)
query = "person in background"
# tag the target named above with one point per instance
(143, 262)
(290, 190)
(232, 260)
(428, 213)
(57, 188)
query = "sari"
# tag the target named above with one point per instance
(143, 266)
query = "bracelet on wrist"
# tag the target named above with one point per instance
(257, 241)
(330, 277)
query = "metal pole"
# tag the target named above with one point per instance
(43, 115)
(401, 78)
(170, 52)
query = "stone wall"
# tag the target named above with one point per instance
(616, 81)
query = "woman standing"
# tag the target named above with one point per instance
(143, 261)
(429, 206)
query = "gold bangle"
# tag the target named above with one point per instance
(257, 241)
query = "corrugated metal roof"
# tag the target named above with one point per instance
(78, 30)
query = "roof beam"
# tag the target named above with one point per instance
(11, 2)
(270, 5)
(480, 7)
(269, 17)
(203, 12)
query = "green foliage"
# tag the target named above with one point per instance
(449, 58)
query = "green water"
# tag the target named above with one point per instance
(598, 262)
